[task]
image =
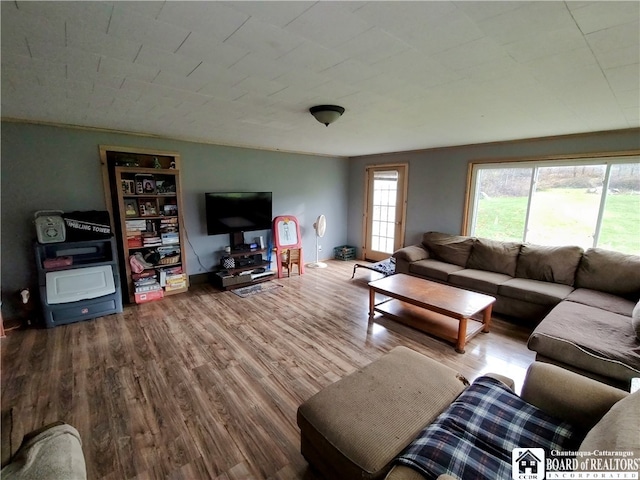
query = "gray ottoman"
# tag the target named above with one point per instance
(355, 427)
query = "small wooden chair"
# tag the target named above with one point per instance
(291, 257)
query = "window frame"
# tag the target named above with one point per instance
(606, 158)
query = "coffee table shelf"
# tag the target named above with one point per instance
(436, 324)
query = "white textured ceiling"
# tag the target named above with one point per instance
(411, 75)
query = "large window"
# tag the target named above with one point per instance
(587, 202)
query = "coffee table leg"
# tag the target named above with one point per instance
(372, 301)
(462, 335)
(486, 318)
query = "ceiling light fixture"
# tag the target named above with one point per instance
(326, 113)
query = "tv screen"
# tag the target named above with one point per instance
(229, 212)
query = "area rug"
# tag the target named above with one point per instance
(255, 289)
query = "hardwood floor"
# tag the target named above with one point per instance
(205, 385)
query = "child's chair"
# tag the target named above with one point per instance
(291, 257)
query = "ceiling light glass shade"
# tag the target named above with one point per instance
(326, 113)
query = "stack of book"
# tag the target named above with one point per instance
(134, 232)
(175, 282)
(170, 238)
(169, 273)
(151, 239)
(146, 281)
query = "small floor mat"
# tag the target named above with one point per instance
(255, 289)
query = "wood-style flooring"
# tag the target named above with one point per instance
(205, 385)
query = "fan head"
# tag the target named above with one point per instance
(320, 225)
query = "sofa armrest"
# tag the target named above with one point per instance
(568, 396)
(412, 253)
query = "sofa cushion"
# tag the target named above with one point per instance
(494, 256)
(635, 319)
(411, 253)
(589, 338)
(611, 272)
(534, 291)
(618, 429)
(549, 264)
(433, 269)
(605, 301)
(479, 280)
(449, 248)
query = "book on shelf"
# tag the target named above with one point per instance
(147, 288)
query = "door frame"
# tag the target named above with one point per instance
(403, 190)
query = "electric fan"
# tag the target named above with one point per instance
(320, 226)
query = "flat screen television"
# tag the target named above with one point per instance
(230, 212)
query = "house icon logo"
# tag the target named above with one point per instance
(527, 464)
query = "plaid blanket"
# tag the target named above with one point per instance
(474, 437)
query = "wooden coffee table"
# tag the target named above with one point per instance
(440, 310)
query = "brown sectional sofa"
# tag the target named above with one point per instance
(580, 301)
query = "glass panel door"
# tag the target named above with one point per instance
(385, 211)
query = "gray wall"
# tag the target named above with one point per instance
(45, 167)
(438, 177)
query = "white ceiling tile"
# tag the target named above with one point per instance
(613, 38)
(173, 63)
(312, 56)
(84, 38)
(452, 30)
(372, 46)
(276, 13)
(562, 65)
(215, 20)
(264, 39)
(301, 76)
(632, 115)
(483, 10)
(473, 53)
(180, 82)
(601, 15)
(116, 67)
(619, 57)
(255, 65)
(260, 86)
(624, 78)
(544, 44)
(93, 15)
(148, 8)
(203, 48)
(533, 18)
(628, 98)
(350, 72)
(328, 23)
(400, 18)
(18, 25)
(215, 77)
(493, 69)
(135, 27)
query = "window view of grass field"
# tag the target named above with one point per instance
(565, 206)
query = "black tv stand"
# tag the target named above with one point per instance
(255, 270)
